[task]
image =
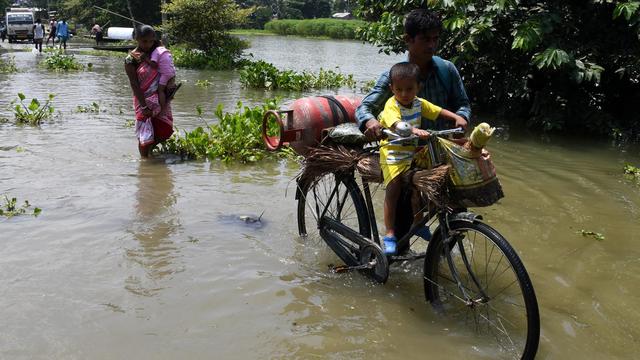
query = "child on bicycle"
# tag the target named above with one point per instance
(404, 105)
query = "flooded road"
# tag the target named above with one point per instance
(142, 259)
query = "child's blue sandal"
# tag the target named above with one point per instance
(389, 245)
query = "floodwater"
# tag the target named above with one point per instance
(143, 259)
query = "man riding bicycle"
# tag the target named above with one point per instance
(440, 82)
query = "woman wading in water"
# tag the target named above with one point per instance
(154, 123)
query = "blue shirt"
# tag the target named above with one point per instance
(431, 89)
(62, 29)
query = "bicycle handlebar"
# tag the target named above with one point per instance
(397, 138)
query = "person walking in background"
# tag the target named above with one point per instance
(96, 31)
(38, 35)
(52, 32)
(62, 32)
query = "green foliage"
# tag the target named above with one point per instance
(203, 83)
(235, 137)
(34, 113)
(203, 24)
(632, 173)
(83, 12)
(626, 9)
(221, 58)
(366, 87)
(8, 66)
(549, 65)
(11, 208)
(263, 75)
(58, 61)
(332, 28)
(551, 58)
(94, 107)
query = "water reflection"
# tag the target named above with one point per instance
(156, 220)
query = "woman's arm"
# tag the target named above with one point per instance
(130, 69)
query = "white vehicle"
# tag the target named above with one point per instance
(19, 24)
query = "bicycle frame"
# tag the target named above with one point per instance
(443, 218)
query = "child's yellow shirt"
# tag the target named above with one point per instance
(396, 158)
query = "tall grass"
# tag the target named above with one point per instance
(263, 75)
(333, 28)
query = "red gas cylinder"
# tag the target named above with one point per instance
(301, 126)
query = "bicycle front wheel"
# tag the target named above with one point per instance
(494, 295)
(338, 197)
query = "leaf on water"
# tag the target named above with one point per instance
(21, 96)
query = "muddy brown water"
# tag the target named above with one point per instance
(134, 259)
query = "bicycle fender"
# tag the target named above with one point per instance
(467, 216)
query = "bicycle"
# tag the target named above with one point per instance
(470, 270)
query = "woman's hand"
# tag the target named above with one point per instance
(147, 112)
(422, 134)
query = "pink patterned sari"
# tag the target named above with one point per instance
(162, 122)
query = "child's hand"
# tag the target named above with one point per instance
(461, 122)
(422, 134)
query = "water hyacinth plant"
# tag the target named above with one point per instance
(93, 108)
(8, 65)
(58, 61)
(263, 75)
(235, 137)
(35, 112)
(10, 208)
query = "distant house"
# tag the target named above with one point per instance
(342, 16)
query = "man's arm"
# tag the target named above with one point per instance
(373, 103)
(458, 97)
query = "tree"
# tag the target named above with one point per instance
(554, 64)
(203, 24)
(82, 11)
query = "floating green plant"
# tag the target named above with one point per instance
(8, 65)
(11, 208)
(263, 75)
(203, 83)
(93, 108)
(58, 61)
(33, 113)
(235, 137)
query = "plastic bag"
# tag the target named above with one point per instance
(144, 132)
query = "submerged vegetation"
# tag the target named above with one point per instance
(94, 107)
(35, 112)
(8, 65)
(57, 61)
(632, 172)
(332, 28)
(261, 74)
(11, 208)
(235, 137)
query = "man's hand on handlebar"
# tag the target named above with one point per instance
(461, 122)
(373, 130)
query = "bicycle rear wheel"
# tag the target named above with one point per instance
(497, 298)
(344, 203)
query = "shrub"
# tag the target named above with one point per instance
(261, 74)
(222, 58)
(34, 113)
(333, 28)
